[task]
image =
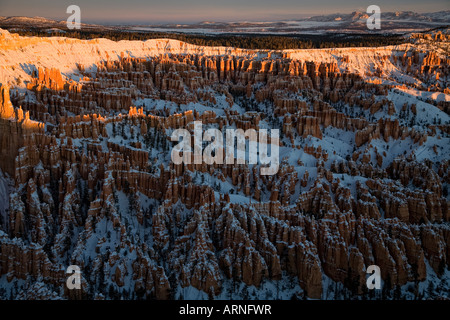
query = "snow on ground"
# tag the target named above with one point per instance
(284, 289)
(361, 59)
(437, 96)
(426, 113)
(20, 55)
(66, 53)
(218, 108)
(433, 283)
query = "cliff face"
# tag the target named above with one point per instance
(363, 177)
(6, 108)
(15, 128)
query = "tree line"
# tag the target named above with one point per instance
(244, 41)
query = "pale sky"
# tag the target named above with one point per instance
(182, 11)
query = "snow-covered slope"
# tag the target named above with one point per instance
(20, 55)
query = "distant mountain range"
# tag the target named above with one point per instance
(438, 17)
(355, 22)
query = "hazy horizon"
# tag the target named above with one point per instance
(179, 11)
